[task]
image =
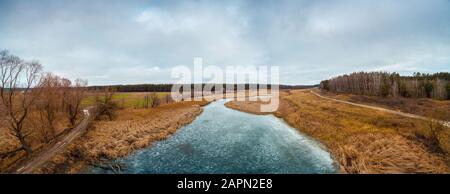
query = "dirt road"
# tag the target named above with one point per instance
(29, 166)
(445, 123)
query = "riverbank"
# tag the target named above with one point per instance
(252, 107)
(362, 141)
(132, 129)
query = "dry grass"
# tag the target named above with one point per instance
(247, 106)
(362, 140)
(386, 153)
(8, 142)
(438, 109)
(133, 129)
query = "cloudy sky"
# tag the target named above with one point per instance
(118, 42)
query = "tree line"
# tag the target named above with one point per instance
(384, 84)
(32, 100)
(168, 87)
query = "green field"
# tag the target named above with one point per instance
(126, 99)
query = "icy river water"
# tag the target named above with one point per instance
(222, 140)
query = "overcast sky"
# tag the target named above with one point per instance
(122, 42)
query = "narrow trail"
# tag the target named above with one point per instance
(29, 166)
(409, 115)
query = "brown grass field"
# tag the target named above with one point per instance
(361, 140)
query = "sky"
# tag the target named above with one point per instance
(137, 41)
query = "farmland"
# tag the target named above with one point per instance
(126, 99)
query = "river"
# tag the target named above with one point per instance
(222, 140)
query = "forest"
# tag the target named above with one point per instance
(384, 84)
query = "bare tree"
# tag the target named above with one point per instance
(48, 104)
(391, 84)
(72, 97)
(18, 93)
(104, 103)
(155, 101)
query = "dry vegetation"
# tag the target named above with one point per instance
(131, 130)
(252, 107)
(438, 109)
(35, 108)
(37, 141)
(365, 141)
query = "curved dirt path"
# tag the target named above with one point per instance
(409, 115)
(29, 166)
